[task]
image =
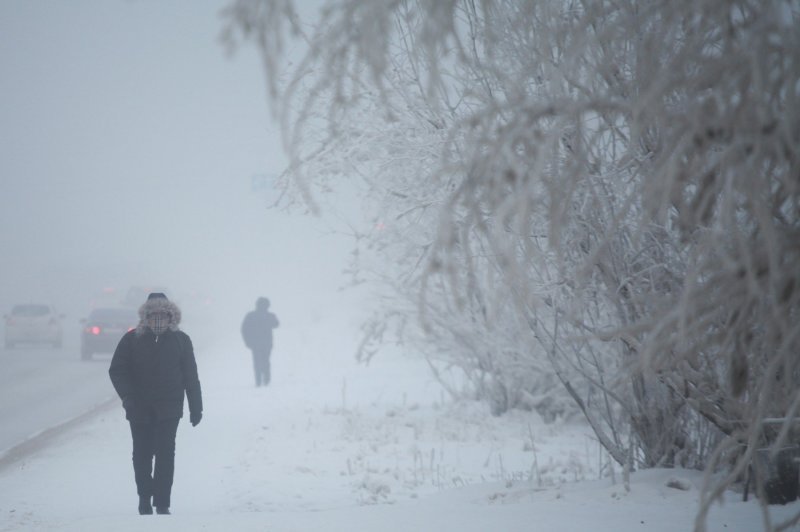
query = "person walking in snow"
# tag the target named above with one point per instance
(257, 334)
(151, 370)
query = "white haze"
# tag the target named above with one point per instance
(128, 144)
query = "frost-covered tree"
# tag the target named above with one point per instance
(610, 187)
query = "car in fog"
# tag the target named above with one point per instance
(33, 323)
(138, 294)
(103, 329)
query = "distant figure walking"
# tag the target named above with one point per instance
(257, 334)
(152, 368)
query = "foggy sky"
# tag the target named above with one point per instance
(128, 140)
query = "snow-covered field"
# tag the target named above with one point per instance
(333, 445)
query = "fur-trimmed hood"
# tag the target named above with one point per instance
(158, 304)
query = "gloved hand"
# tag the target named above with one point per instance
(195, 417)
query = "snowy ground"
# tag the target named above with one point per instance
(336, 446)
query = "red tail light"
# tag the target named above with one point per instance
(95, 330)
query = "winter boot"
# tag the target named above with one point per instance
(144, 506)
(162, 510)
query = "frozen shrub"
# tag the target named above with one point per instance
(608, 190)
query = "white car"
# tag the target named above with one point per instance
(33, 323)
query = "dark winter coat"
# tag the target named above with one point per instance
(257, 329)
(152, 373)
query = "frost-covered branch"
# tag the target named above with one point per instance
(627, 169)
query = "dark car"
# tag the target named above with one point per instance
(103, 329)
(138, 294)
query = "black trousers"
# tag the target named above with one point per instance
(261, 365)
(154, 439)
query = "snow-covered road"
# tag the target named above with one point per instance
(42, 387)
(332, 445)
